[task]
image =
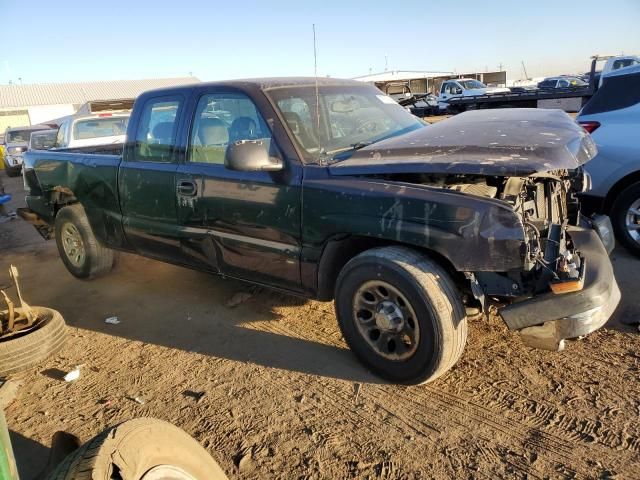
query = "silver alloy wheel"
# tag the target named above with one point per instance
(386, 320)
(633, 220)
(73, 244)
(166, 472)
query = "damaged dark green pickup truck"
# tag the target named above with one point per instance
(333, 191)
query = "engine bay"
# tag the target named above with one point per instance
(546, 205)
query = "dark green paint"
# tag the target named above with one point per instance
(256, 225)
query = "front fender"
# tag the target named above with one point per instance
(473, 233)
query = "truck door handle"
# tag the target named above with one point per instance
(188, 188)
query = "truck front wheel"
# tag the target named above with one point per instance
(401, 314)
(80, 251)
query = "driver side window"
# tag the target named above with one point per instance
(451, 88)
(221, 119)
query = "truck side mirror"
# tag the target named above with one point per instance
(252, 156)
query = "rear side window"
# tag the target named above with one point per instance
(157, 128)
(620, 91)
(100, 127)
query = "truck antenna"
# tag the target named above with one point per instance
(315, 73)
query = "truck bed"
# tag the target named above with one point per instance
(111, 149)
(93, 175)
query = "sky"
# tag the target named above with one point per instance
(70, 40)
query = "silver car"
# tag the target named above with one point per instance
(612, 117)
(16, 142)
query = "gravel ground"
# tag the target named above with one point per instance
(269, 388)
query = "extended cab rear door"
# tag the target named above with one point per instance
(244, 224)
(147, 176)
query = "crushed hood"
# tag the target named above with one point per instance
(505, 142)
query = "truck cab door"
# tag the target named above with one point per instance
(147, 179)
(445, 90)
(245, 224)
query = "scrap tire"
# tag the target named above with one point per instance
(619, 211)
(132, 449)
(28, 350)
(430, 292)
(97, 259)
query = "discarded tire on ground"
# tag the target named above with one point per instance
(27, 348)
(401, 314)
(81, 252)
(140, 449)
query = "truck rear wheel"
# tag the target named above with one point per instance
(80, 251)
(401, 314)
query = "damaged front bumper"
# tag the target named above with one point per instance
(546, 320)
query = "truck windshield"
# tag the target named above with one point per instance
(18, 136)
(340, 119)
(100, 127)
(470, 84)
(43, 140)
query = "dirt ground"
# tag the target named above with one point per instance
(282, 397)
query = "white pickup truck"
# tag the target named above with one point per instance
(464, 87)
(616, 63)
(92, 130)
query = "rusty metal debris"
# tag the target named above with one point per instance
(15, 319)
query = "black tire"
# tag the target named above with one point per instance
(619, 211)
(132, 449)
(97, 259)
(12, 172)
(431, 294)
(27, 350)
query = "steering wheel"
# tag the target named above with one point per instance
(367, 126)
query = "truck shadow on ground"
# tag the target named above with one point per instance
(179, 308)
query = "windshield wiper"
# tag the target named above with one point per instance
(359, 145)
(347, 150)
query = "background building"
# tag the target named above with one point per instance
(392, 81)
(22, 105)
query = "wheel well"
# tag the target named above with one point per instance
(338, 251)
(621, 185)
(61, 197)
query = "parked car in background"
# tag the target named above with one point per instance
(465, 87)
(562, 82)
(329, 189)
(612, 116)
(92, 130)
(16, 142)
(421, 104)
(43, 139)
